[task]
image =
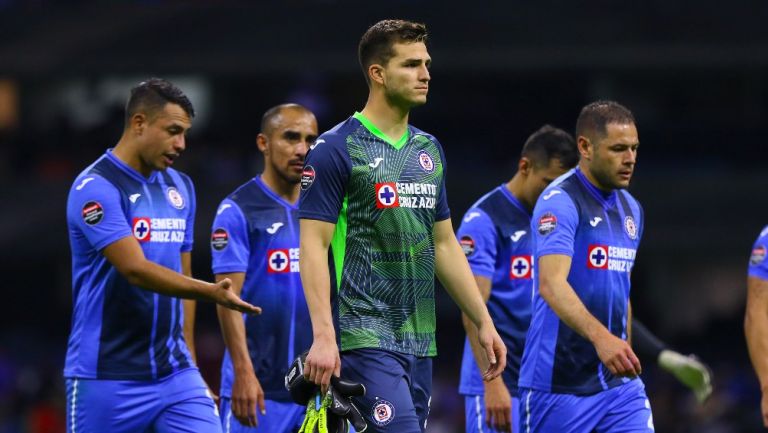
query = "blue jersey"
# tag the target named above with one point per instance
(496, 240)
(758, 267)
(257, 232)
(120, 331)
(601, 232)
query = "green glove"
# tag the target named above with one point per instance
(316, 419)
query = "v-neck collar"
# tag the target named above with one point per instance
(377, 132)
(130, 171)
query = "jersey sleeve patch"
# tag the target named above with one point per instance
(547, 223)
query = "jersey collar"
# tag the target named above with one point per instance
(513, 199)
(130, 171)
(377, 132)
(272, 194)
(607, 199)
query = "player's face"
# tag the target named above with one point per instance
(406, 75)
(288, 142)
(163, 139)
(540, 177)
(614, 156)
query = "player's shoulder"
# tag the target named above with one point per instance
(423, 135)
(763, 233)
(336, 136)
(558, 192)
(249, 191)
(176, 174)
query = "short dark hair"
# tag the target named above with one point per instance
(150, 96)
(269, 115)
(550, 143)
(376, 44)
(595, 116)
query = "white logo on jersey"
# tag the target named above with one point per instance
(222, 208)
(275, 227)
(518, 234)
(376, 162)
(316, 143)
(595, 221)
(552, 193)
(134, 197)
(83, 183)
(175, 198)
(471, 216)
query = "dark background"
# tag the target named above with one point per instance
(694, 73)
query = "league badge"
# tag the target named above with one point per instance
(758, 255)
(307, 177)
(93, 213)
(383, 413)
(467, 245)
(175, 198)
(547, 223)
(426, 162)
(630, 227)
(219, 239)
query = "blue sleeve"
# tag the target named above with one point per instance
(443, 212)
(230, 246)
(94, 208)
(477, 235)
(324, 181)
(554, 223)
(189, 234)
(758, 266)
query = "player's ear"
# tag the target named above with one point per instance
(524, 166)
(376, 73)
(138, 123)
(585, 146)
(261, 143)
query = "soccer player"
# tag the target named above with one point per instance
(130, 219)
(578, 372)
(756, 317)
(495, 236)
(373, 192)
(255, 243)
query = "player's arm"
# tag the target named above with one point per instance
(128, 258)
(498, 400)
(554, 288)
(453, 272)
(190, 308)
(323, 358)
(246, 389)
(756, 332)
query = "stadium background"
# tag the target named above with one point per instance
(694, 73)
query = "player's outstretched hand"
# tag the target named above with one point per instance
(495, 350)
(246, 396)
(223, 295)
(322, 361)
(498, 406)
(617, 355)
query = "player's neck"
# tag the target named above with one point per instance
(284, 189)
(391, 120)
(515, 187)
(125, 151)
(588, 174)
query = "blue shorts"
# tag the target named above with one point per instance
(179, 403)
(398, 388)
(623, 409)
(281, 417)
(474, 414)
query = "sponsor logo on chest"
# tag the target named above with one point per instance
(163, 230)
(521, 268)
(283, 261)
(406, 194)
(610, 258)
